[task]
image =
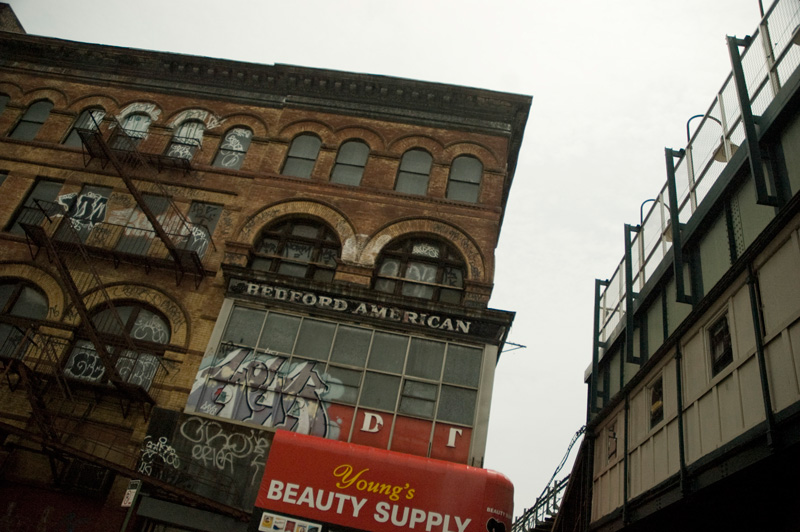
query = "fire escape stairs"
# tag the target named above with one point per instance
(125, 157)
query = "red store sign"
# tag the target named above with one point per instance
(378, 490)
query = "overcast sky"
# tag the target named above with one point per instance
(613, 83)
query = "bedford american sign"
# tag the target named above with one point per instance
(354, 306)
(373, 489)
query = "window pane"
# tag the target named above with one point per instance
(351, 346)
(418, 399)
(305, 147)
(298, 167)
(293, 270)
(347, 175)
(38, 112)
(380, 391)
(342, 385)
(353, 153)
(425, 359)
(463, 191)
(279, 333)
(244, 326)
(315, 339)
(299, 251)
(150, 327)
(25, 131)
(388, 352)
(233, 148)
(466, 169)
(416, 161)
(420, 271)
(463, 365)
(417, 290)
(268, 246)
(412, 183)
(30, 304)
(111, 322)
(305, 230)
(457, 405)
(3, 101)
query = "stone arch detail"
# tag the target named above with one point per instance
(476, 267)
(56, 299)
(321, 129)
(256, 124)
(341, 225)
(56, 96)
(480, 152)
(208, 118)
(178, 322)
(372, 138)
(13, 90)
(108, 103)
(430, 144)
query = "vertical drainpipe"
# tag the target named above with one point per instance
(625, 516)
(762, 363)
(681, 445)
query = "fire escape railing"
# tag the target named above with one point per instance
(548, 503)
(175, 232)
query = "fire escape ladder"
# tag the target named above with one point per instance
(66, 251)
(177, 234)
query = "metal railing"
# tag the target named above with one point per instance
(769, 59)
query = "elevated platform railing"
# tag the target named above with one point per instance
(770, 57)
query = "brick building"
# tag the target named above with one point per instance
(197, 252)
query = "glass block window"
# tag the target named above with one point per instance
(297, 248)
(414, 172)
(422, 268)
(464, 182)
(233, 148)
(339, 363)
(302, 156)
(350, 163)
(33, 119)
(89, 119)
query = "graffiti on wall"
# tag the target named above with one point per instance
(212, 458)
(265, 390)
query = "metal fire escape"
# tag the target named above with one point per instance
(34, 353)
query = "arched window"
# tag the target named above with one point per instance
(464, 182)
(3, 101)
(89, 119)
(415, 170)
(298, 248)
(142, 324)
(302, 155)
(135, 127)
(18, 300)
(421, 267)
(30, 123)
(350, 163)
(186, 140)
(233, 148)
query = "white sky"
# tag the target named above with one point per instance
(613, 82)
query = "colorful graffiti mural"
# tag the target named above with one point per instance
(267, 390)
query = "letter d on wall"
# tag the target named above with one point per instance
(372, 422)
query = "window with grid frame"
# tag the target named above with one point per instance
(297, 247)
(187, 140)
(146, 326)
(88, 119)
(302, 156)
(233, 148)
(350, 163)
(721, 347)
(656, 401)
(32, 121)
(414, 172)
(421, 267)
(464, 182)
(358, 365)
